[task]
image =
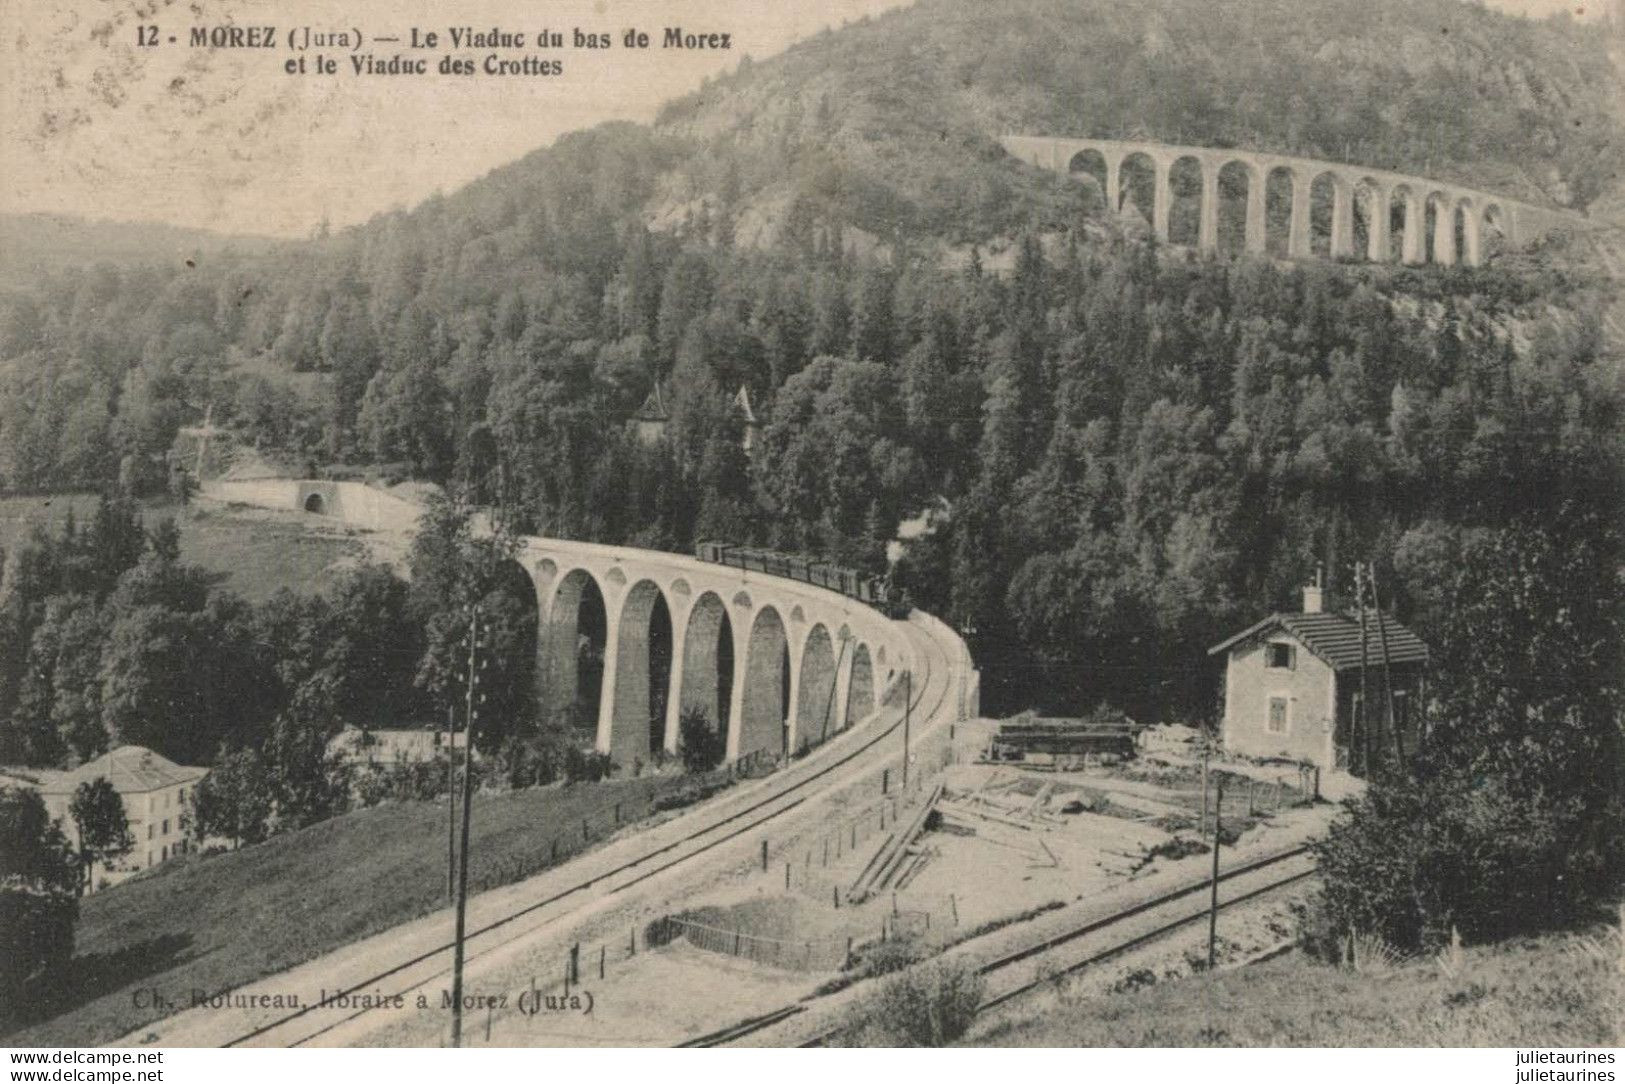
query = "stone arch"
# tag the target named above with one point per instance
(1187, 178)
(1372, 214)
(576, 638)
(642, 674)
(315, 504)
(1280, 188)
(815, 691)
(764, 708)
(1327, 193)
(1239, 217)
(1407, 239)
(1091, 162)
(1441, 231)
(860, 698)
(708, 661)
(1142, 189)
(1464, 220)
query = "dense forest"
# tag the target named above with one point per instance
(1120, 454)
(1093, 455)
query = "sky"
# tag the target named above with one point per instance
(95, 124)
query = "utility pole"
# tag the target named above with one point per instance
(1213, 899)
(451, 802)
(1207, 748)
(1387, 674)
(1364, 714)
(475, 664)
(908, 696)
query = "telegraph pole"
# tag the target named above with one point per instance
(1365, 685)
(1387, 674)
(475, 664)
(1213, 899)
(451, 802)
(908, 695)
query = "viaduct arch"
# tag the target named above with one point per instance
(629, 638)
(779, 666)
(1400, 217)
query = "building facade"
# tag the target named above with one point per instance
(156, 793)
(1294, 687)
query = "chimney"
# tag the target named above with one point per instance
(1312, 600)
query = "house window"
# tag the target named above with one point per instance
(1279, 656)
(166, 828)
(1276, 724)
(149, 829)
(163, 853)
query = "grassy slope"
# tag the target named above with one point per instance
(1561, 990)
(254, 553)
(216, 922)
(257, 554)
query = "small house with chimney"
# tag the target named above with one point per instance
(1294, 685)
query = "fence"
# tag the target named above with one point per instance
(812, 876)
(812, 954)
(558, 842)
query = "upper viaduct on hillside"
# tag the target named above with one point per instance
(1436, 222)
(782, 664)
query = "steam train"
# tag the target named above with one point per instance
(876, 591)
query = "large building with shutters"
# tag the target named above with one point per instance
(1293, 687)
(156, 792)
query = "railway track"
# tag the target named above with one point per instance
(929, 696)
(1076, 947)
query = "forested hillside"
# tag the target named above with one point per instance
(890, 124)
(37, 245)
(1129, 452)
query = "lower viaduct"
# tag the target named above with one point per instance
(1402, 217)
(782, 665)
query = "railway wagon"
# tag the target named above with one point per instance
(876, 591)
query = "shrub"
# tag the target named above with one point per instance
(699, 742)
(530, 762)
(929, 1005)
(1410, 860)
(885, 957)
(586, 766)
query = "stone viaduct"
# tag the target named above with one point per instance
(799, 663)
(1462, 219)
(780, 664)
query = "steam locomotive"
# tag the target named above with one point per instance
(876, 591)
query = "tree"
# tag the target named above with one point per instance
(38, 883)
(452, 572)
(699, 741)
(1510, 816)
(234, 800)
(104, 827)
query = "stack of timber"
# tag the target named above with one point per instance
(896, 854)
(1028, 735)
